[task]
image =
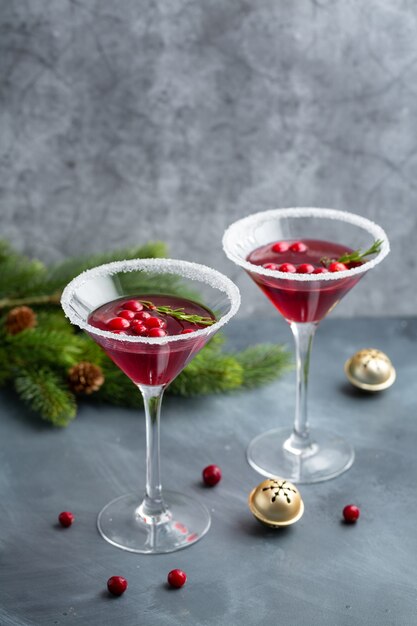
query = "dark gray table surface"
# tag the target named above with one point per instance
(318, 573)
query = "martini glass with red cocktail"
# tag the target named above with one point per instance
(304, 260)
(152, 316)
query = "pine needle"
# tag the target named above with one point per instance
(43, 391)
(263, 364)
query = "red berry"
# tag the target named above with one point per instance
(280, 246)
(305, 268)
(320, 270)
(127, 315)
(337, 267)
(287, 267)
(66, 518)
(298, 246)
(270, 266)
(351, 513)
(138, 327)
(154, 322)
(142, 315)
(177, 578)
(187, 330)
(117, 585)
(212, 475)
(133, 305)
(118, 323)
(157, 332)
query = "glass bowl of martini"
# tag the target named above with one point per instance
(151, 317)
(305, 260)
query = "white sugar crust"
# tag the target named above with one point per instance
(302, 212)
(184, 269)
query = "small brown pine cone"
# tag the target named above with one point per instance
(85, 377)
(20, 318)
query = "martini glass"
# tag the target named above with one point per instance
(158, 522)
(302, 455)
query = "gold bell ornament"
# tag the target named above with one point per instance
(370, 370)
(276, 502)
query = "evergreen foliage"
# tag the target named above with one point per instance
(36, 361)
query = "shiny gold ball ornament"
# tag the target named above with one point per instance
(370, 370)
(276, 502)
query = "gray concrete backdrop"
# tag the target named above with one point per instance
(133, 120)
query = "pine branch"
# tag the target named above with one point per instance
(208, 373)
(43, 391)
(61, 274)
(263, 364)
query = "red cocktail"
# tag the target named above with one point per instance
(306, 301)
(146, 316)
(304, 260)
(151, 337)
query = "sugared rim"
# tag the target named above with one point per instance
(193, 271)
(299, 212)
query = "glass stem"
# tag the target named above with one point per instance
(303, 336)
(153, 504)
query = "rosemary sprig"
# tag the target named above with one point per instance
(357, 256)
(179, 313)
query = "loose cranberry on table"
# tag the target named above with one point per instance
(117, 585)
(212, 475)
(351, 513)
(176, 578)
(298, 246)
(66, 518)
(280, 246)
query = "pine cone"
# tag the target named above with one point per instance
(85, 377)
(20, 318)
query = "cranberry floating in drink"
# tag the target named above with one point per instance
(151, 316)
(305, 260)
(169, 315)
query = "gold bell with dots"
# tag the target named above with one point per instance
(370, 370)
(276, 502)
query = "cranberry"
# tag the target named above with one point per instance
(321, 270)
(142, 315)
(154, 322)
(133, 305)
(337, 267)
(157, 332)
(270, 266)
(351, 513)
(212, 475)
(127, 315)
(280, 246)
(66, 518)
(298, 246)
(138, 327)
(305, 268)
(117, 585)
(118, 323)
(186, 331)
(287, 267)
(177, 578)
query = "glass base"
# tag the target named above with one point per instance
(184, 522)
(275, 453)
